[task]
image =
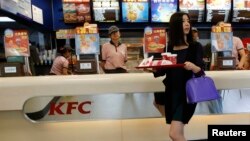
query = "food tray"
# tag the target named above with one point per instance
(161, 66)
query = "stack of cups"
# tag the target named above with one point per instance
(170, 57)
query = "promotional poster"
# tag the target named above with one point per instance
(154, 40)
(87, 43)
(222, 41)
(16, 43)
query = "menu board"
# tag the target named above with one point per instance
(241, 11)
(106, 11)
(65, 34)
(135, 11)
(22, 7)
(161, 10)
(16, 43)
(86, 43)
(195, 9)
(76, 11)
(154, 40)
(218, 10)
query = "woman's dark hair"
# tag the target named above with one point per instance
(176, 33)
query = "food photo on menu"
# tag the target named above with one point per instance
(83, 12)
(76, 12)
(161, 10)
(194, 4)
(106, 11)
(241, 11)
(218, 10)
(135, 11)
(69, 13)
(195, 9)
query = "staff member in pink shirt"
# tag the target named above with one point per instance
(114, 53)
(238, 49)
(61, 64)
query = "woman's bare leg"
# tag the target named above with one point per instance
(160, 108)
(176, 132)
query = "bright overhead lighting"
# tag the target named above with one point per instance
(6, 19)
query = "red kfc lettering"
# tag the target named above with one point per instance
(81, 109)
(70, 107)
(57, 108)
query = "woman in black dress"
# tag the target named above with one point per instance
(178, 112)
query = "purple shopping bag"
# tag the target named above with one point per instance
(199, 89)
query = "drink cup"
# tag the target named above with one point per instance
(166, 55)
(173, 58)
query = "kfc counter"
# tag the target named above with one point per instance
(16, 92)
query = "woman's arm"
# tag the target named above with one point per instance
(198, 66)
(199, 56)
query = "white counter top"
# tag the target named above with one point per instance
(16, 90)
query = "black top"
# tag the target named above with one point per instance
(176, 106)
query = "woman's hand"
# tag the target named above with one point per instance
(191, 66)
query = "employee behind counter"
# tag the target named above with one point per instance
(61, 63)
(114, 53)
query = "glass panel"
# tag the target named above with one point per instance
(124, 106)
(232, 101)
(91, 107)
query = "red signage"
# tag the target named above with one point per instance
(16, 42)
(155, 40)
(58, 108)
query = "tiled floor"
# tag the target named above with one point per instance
(13, 127)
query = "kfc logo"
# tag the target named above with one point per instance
(59, 108)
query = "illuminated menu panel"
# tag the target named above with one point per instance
(76, 11)
(161, 10)
(241, 11)
(135, 11)
(195, 9)
(218, 10)
(21, 7)
(106, 10)
(75, 0)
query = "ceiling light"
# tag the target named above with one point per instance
(6, 19)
